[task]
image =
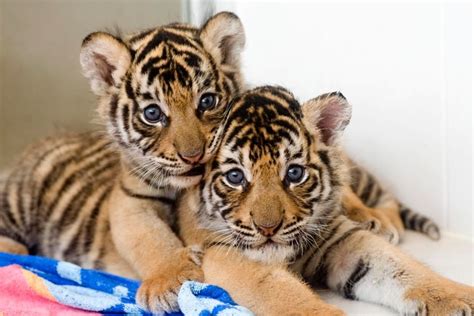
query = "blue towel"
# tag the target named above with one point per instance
(102, 292)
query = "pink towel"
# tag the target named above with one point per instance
(24, 293)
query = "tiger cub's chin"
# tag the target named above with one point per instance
(271, 253)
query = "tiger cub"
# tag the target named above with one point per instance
(271, 205)
(104, 200)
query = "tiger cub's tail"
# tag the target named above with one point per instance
(418, 222)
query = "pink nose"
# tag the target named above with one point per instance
(269, 230)
(191, 158)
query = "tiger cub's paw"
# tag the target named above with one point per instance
(159, 292)
(445, 298)
(377, 221)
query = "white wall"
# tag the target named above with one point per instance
(405, 67)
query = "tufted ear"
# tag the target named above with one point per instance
(223, 36)
(104, 60)
(328, 115)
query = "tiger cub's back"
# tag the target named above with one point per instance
(53, 200)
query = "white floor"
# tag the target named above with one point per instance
(452, 257)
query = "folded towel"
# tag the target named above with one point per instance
(45, 286)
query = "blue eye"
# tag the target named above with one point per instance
(294, 174)
(207, 101)
(152, 113)
(235, 177)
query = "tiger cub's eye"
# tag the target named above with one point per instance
(207, 102)
(152, 114)
(294, 174)
(235, 177)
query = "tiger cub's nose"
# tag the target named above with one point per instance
(192, 157)
(269, 229)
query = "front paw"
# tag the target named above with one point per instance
(444, 298)
(159, 292)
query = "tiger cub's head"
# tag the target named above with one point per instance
(163, 93)
(276, 179)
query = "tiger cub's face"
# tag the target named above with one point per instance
(276, 178)
(163, 93)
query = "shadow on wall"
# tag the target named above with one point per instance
(41, 86)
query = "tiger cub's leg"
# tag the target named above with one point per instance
(383, 208)
(385, 222)
(262, 288)
(361, 265)
(142, 236)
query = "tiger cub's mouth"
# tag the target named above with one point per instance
(195, 171)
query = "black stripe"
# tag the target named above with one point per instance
(160, 37)
(98, 264)
(50, 178)
(5, 208)
(321, 271)
(219, 192)
(317, 248)
(152, 74)
(405, 214)
(151, 63)
(77, 174)
(359, 272)
(34, 195)
(183, 76)
(20, 194)
(324, 157)
(113, 111)
(161, 199)
(73, 209)
(75, 245)
(126, 119)
(226, 211)
(192, 60)
(355, 178)
(233, 79)
(140, 36)
(182, 27)
(90, 226)
(69, 216)
(413, 221)
(421, 223)
(287, 125)
(368, 189)
(375, 199)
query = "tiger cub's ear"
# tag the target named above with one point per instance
(328, 116)
(104, 60)
(223, 37)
